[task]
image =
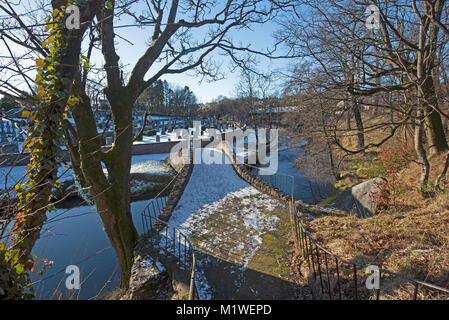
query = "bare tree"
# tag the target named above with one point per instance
(174, 42)
(397, 60)
(34, 199)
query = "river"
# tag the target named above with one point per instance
(76, 237)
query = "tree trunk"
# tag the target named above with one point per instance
(435, 132)
(441, 179)
(30, 221)
(421, 152)
(115, 213)
(139, 135)
(334, 168)
(111, 193)
(30, 228)
(256, 131)
(434, 124)
(359, 124)
(424, 93)
(348, 120)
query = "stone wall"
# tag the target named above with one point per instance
(267, 188)
(22, 159)
(153, 148)
(162, 279)
(257, 182)
(177, 190)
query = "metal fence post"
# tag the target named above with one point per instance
(192, 278)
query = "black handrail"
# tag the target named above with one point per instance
(318, 258)
(176, 243)
(310, 249)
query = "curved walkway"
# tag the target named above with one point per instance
(239, 234)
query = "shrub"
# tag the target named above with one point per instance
(394, 158)
(14, 280)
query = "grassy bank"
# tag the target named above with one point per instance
(409, 234)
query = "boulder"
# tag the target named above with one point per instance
(149, 280)
(359, 199)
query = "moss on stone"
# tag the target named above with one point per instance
(333, 198)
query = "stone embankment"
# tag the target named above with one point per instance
(151, 279)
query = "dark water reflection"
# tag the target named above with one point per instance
(286, 165)
(76, 237)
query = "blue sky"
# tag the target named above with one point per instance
(259, 38)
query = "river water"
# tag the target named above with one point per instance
(76, 237)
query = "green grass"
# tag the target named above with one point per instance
(332, 199)
(368, 167)
(371, 172)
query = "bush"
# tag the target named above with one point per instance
(13, 278)
(393, 160)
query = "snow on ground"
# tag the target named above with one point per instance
(244, 214)
(224, 217)
(173, 136)
(207, 184)
(149, 163)
(203, 288)
(152, 167)
(155, 167)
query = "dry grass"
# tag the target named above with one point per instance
(412, 243)
(409, 238)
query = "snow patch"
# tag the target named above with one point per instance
(216, 206)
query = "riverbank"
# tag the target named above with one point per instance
(408, 233)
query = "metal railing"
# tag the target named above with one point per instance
(170, 239)
(338, 278)
(282, 182)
